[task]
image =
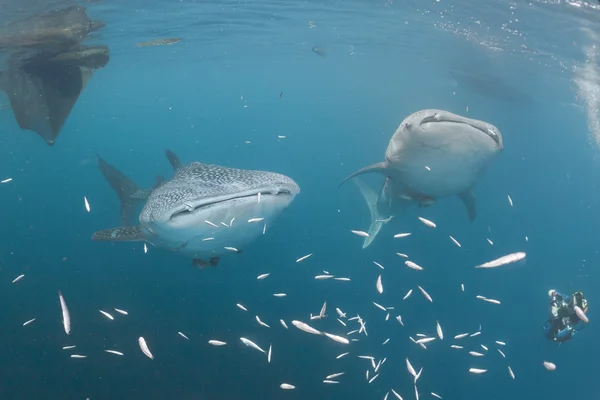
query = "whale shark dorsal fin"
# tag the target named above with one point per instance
(380, 167)
(371, 198)
(174, 160)
(468, 199)
(121, 234)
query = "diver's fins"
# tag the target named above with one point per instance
(174, 160)
(129, 193)
(122, 234)
(371, 198)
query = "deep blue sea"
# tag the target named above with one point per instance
(312, 90)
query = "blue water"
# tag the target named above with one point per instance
(245, 71)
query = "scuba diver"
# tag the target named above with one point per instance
(567, 315)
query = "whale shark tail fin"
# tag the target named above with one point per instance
(377, 221)
(129, 193)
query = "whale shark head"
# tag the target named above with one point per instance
(443, 130)
(436, 153)
(193, 212)
(203, 211)
(431, 146)
(433, 154)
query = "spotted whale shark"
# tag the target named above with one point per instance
(203, 211)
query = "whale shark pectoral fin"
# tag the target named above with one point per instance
(121, 234)
(468, 199)
(371, 198)
(380, 167)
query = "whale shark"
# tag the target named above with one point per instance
(203, 211)
(53, 31)
(47, 67)
(42, 89)
(433, 154)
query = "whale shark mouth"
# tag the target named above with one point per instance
(190, 208)
(437, 118)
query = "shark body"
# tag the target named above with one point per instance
(433, 154)
(203, 211)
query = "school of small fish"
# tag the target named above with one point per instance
(349, 329)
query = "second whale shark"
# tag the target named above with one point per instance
(433, 154)
(203, 211)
